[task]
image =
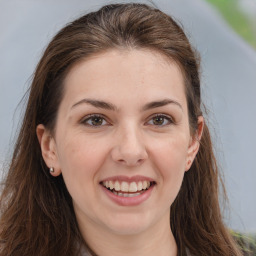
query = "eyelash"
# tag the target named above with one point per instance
(90, 118)
(165, 118)
(94, 116)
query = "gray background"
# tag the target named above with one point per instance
(228, 82)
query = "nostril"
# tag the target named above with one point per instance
(131, 162)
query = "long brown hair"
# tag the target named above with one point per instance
(37, 216)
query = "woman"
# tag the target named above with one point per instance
(114, 156)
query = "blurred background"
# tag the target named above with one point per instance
(224, 32)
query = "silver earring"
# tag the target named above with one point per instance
(51, 170)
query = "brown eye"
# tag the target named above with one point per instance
(94, 120)
(160, 120)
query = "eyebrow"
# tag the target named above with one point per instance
(110, 106)
(97, 104)
(161, 103)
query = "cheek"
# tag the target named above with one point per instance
(171, 153)
(80, 159)
(170, 159)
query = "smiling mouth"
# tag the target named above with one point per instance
(127, 189)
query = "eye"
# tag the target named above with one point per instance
(160, 120)
(94, 120)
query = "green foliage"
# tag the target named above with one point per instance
(243, 24)
(247, 243)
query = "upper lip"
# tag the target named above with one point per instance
(128, 179)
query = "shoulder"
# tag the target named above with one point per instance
(82, 250)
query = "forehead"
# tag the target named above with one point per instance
(140, 73)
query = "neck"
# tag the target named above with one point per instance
(159, 240)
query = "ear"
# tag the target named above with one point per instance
(195, 143)
(48, 149)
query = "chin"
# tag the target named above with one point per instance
(129, 224)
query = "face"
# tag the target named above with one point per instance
(122, 140)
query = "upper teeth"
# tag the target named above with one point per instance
(125, 186)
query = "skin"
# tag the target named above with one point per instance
(128, 140)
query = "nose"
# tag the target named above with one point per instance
(129, 148)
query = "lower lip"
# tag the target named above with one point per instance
(129, 201)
